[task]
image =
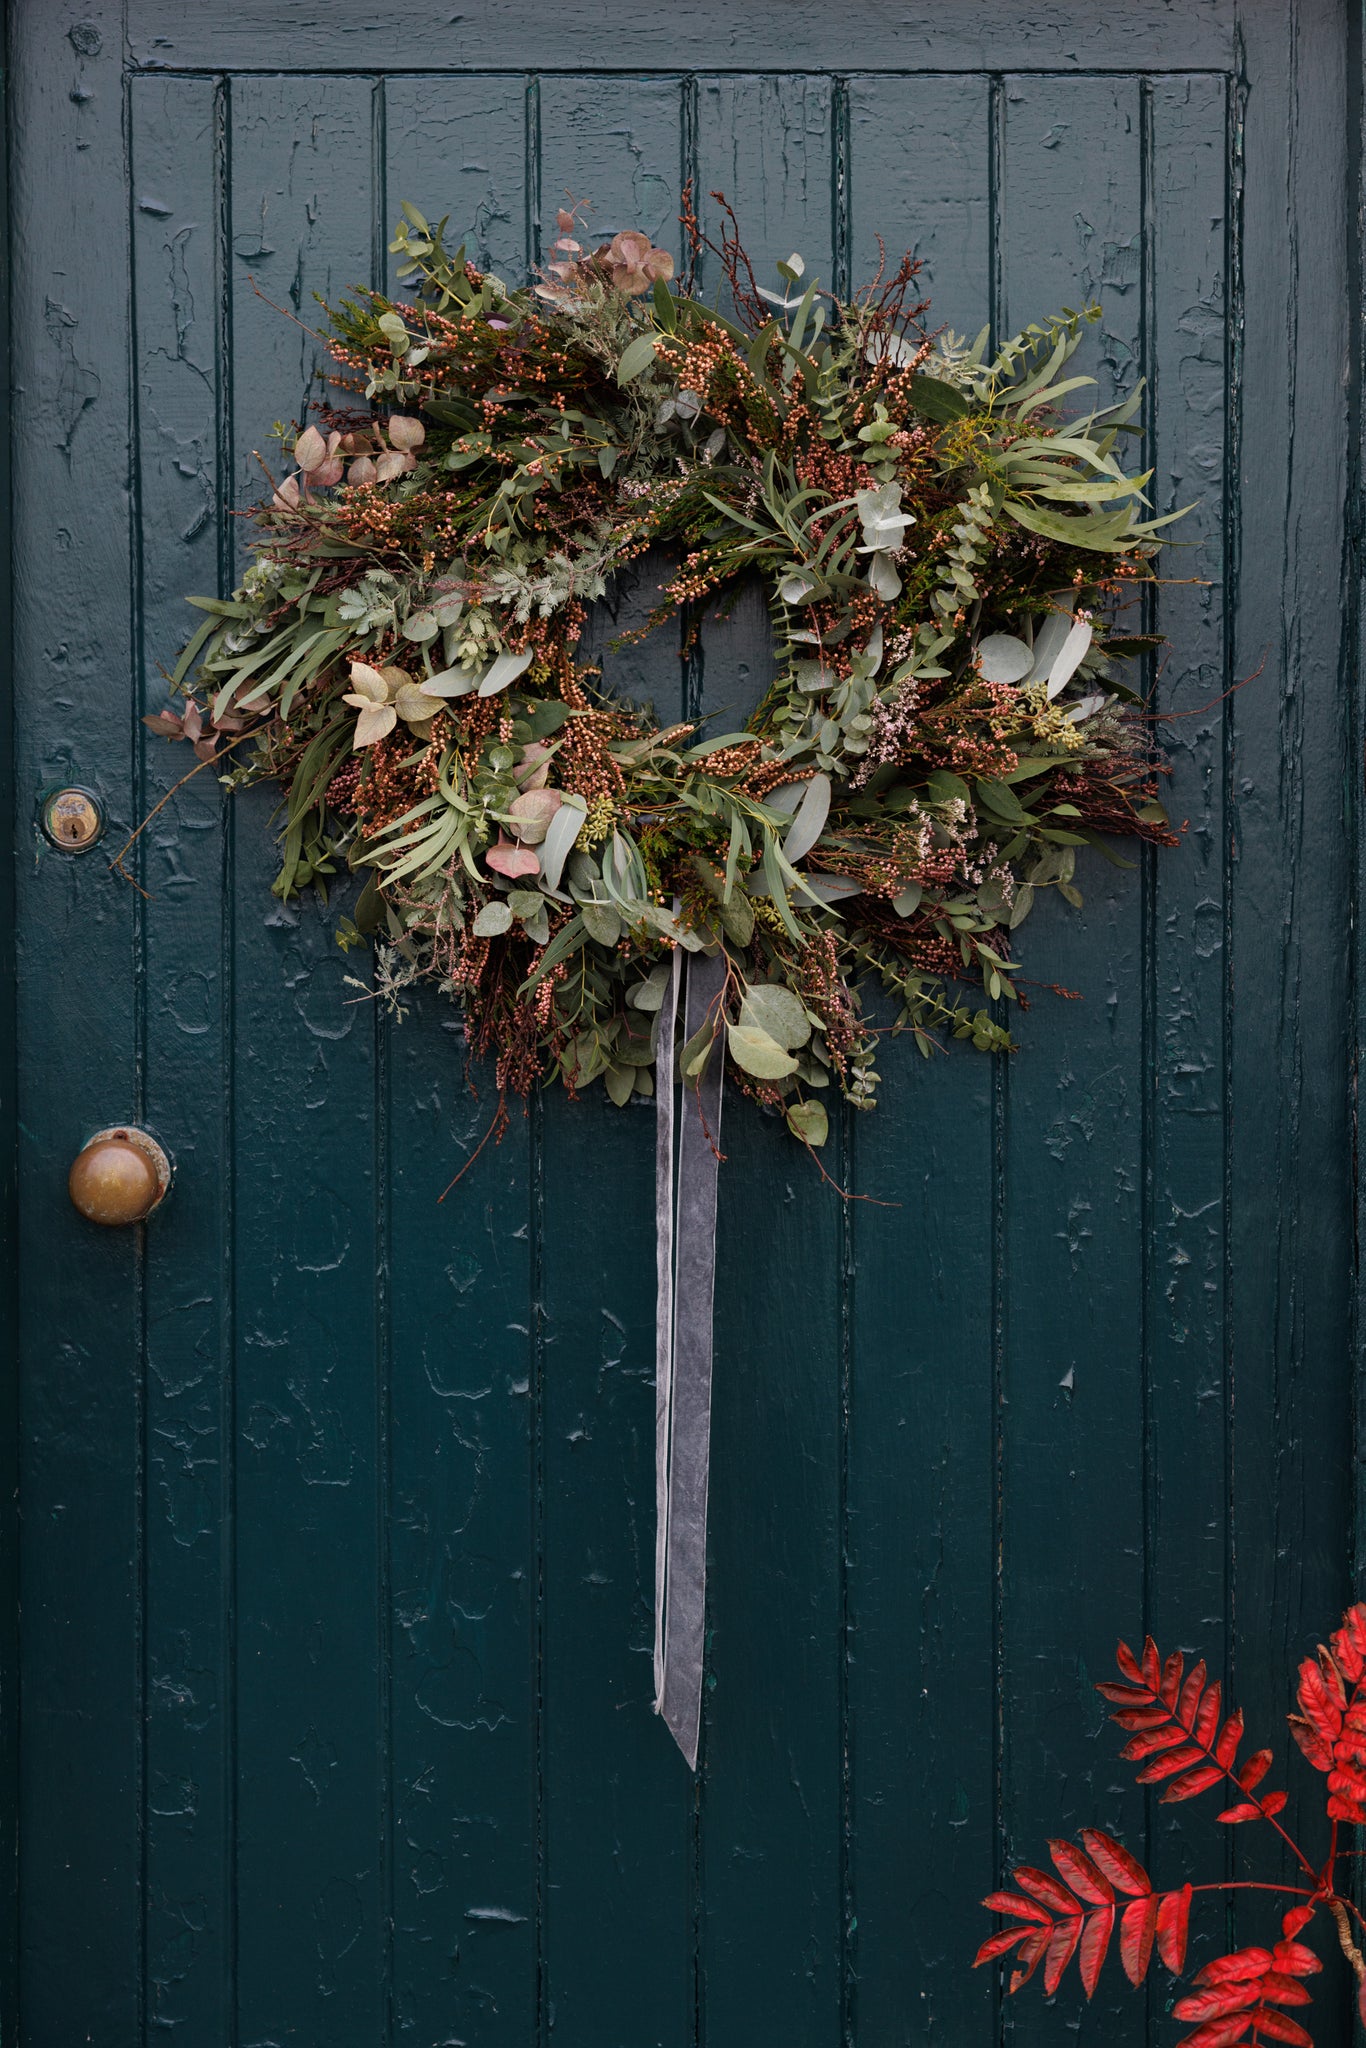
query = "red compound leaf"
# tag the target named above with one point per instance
(1330, 1727)
(1055, 1921)
(1239, 1998)
(1172, 1719)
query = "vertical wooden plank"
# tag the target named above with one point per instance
(933, 199)
(766, 142)
(177, 147)
(772, 1936)
(1188, 1406)
(312, 1642)
(81, 1305)
(1073, 1417)
(465, 1582)
(922, 1469)
(1291, 1144)
(616, 1794)
(457, 146)
(617, 145)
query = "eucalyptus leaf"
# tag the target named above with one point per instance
(505, 670)
(1002, 658)
(648, 995)
(808, 1121)
(635, 357)
(620, 1083)
(1069, 657)
(451, 682)
(773, 1008)
(758, 1053)
(601, 922)
(560, 834)
(809, 821)
(493, 920)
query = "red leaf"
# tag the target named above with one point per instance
(1032, 1949)
(1085, 1878)
(1190, 1694)
(1153, 1741)
(1255, 1769)
(1280, 2027)
(1218, 1999)
(1349, 1643)
(1233, 1969)
(1274, 1801)
(1061, 1949)
(1128, 1665)
(1232, 1815)
(1046, 1889)
(1312, 1745)
(1171, 1679)
(1122, 1869)
(1095, 1941)
(1141, 1717)
(1296, 1960)
(1110, 1691)
(1207, 1719)
(997, 1944)
(1230, 1735)
(1152, 1665)
(1011, 1902)
(1193, 1782)
(1173, 1924)
(1349, 1798)
(1136, 1931)
(1321, 1711)
(1332, 1677)
(1295, 1920)
(1167, 1766)
(1285, 1990)
(1218, 2033)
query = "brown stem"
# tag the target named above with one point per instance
(498, 1124)
(1338, 1908)
(116, 864)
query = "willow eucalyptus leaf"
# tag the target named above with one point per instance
(809, 821)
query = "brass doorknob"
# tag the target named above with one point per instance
(119, 1176)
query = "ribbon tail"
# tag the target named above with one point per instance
(690, 1379)
(665, 1098)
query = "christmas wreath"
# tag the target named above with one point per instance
(944, 555)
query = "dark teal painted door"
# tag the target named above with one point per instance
(337, 1504)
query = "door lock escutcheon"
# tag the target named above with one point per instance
(72, 819)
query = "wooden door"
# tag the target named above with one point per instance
(333, 1566)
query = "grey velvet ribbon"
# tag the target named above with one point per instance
(686, 1271)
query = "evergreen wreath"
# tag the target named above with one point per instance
(943, 556)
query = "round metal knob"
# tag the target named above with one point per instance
(119, 1176)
